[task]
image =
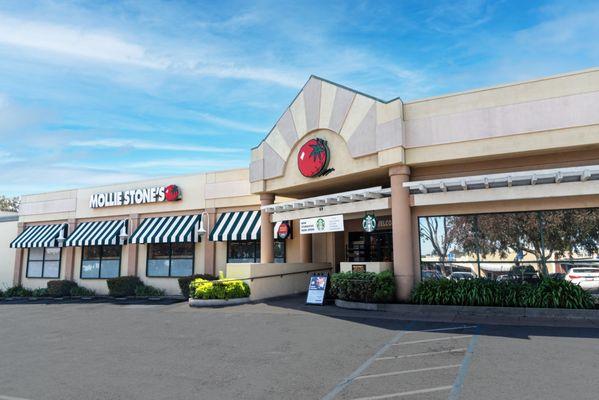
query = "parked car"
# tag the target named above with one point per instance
(587, 278)
(458, 276)
(432, 275)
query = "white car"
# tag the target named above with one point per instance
(587, 278)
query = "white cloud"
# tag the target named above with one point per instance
(145, 145)
(227, 123)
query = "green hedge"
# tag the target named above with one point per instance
(547, 293)
(223, 290)
(82, 292)
(123, 285)
(147, 291)
(18, 291)
(60, 288)
(185, 281)
(365, 287)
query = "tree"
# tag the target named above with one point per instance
(9, 203)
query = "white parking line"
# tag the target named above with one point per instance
(430, 353)
(409, 371)
(400, 394)
(433, 340)
(453, 328)
(11, 398)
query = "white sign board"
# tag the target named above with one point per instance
(331, 223)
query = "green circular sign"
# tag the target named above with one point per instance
(369, 223)
(320, 224)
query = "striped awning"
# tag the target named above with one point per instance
(238, 225)
(40, 236)
(179, 229)
(98, 233)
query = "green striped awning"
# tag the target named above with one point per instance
(238, 225)
(98, 233)
(40, 236)
(179, 229)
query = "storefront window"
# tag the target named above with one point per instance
(170, 259)
(43, 262)
(373, 246)
(248, 251)
(509, 246)
(101, 262)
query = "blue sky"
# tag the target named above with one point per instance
(101, 92)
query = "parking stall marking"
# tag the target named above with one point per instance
(432, 340)
(428, 353)
(408, 393)
(409, 371)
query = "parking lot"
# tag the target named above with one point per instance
(282, 350)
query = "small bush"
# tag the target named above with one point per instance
(80, 291)
(41, 292)
(18, 291)
(223, 290)
(123, 285)
(1, 293)
(185, 281)
(60, 288)
(147, 291)
(547, 293)
(365, 287)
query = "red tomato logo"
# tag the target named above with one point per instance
(313, 158)
(172, 193)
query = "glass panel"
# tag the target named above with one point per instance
(182, 250)
(90, 269)
(158, 267)
(36, 254)
(181, 267)
(159, 251)
(242, 252)
(52, 253)
(111, 252)
(34, 269)
(110, 268)
(51, 269)
(279, 251)
(91, 252)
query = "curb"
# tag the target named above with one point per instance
(218, 302)
(93, 300)
(488, 315)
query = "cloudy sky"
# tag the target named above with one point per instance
(102, 92)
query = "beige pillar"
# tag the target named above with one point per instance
(402, 231)
(305, 245)
(69, 254)
(19, 254)
(266, 230)
(132, 248)
(209, 246)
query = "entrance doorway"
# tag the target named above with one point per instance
(369, 247)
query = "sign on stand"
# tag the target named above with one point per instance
(330, 223)
(317, 289)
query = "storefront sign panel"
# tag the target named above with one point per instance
(330, 223)
(317, 289)
(154, 194)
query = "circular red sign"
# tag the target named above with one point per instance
(283, 231)
(172, 193)
(313, 158)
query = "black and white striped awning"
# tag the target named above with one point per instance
(238, 225)
(179, 229)
(98, 233)
(40, 236)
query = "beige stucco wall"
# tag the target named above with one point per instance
(8, 231)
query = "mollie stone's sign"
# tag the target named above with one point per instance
(154, 194)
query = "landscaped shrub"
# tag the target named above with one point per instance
(147, 291)
(123, 285)
(41, 292)
(18, 291)
(80, 291)
(1, 293)
(185, 281)
(365, 287)
(60, 288)
(224, 290)
(547, 293)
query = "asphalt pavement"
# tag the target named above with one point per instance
(282, 350)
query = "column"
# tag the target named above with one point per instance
(19, 253)
(266, 230)
(402, 231)
(69, 254)
(209, 246)
(305, 245)
(132, 248)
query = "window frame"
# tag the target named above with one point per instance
(170, 257)
(101, 256)
(257, 248)
(43, 260)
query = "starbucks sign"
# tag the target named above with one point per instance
(369, 223)
(330, 223)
